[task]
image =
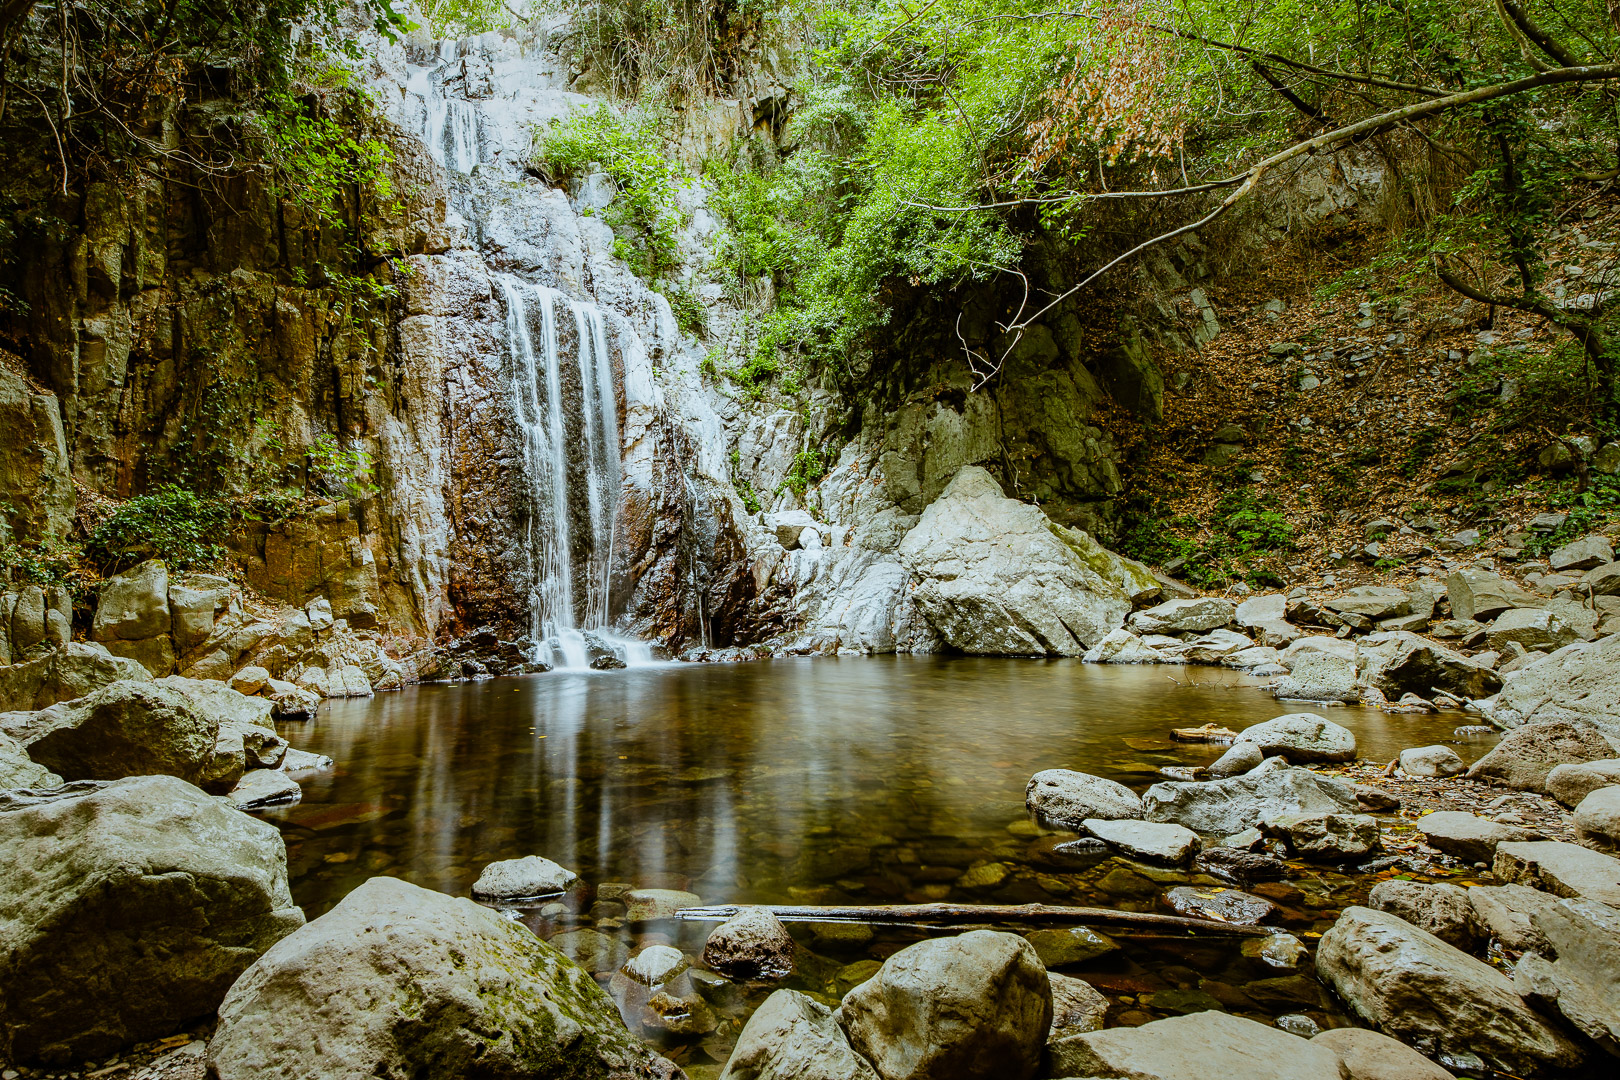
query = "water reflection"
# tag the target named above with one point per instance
(877, 779)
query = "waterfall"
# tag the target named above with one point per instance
(451, 131)
(563, 402)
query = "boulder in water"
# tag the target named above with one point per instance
(127, 909)
(397, 980)
(793, 1035)
(1068, 798)
(126, 729)
(753, 944)
(522, 879)
(1301, 738)
(956, 1008)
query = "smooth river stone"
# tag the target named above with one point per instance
(522, 879)
(1152, 840)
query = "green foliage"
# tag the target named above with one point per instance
(464, 18)
(314, 158)
(644, 215)
(170, 523)
(346, 472)
(808, 467)
(1240, 542)
(745, 488)
(1589, 511)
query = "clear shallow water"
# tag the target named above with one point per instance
(809, 781)
(866, 781)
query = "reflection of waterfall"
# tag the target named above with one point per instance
(567, 419)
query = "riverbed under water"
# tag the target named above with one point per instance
(805, 781)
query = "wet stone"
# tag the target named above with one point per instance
(1223, 905)
(1068, 946)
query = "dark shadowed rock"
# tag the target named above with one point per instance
(753, 944)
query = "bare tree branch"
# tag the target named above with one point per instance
(1406, 114)
(1242, 50)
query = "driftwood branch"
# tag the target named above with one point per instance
(955, 914)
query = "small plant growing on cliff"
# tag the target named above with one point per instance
(644, 214)
(171, 523)
(346, 472)
(808, 467)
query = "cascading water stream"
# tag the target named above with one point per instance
(561, 390)
(569, 442)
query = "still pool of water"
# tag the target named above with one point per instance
(850, 781)
(787, 781)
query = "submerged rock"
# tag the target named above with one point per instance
(753, 944)
(1412, 985)
(397, 980)
(1201, 1046)
(127, 909)
(794, 1036)
(955, 1008)
(1224, 807)
(1067, 798)
(1223, 905)
(522, 879)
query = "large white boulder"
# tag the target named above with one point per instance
(1068, 798)
(1579, 682)
(127, 909)
(996, 576)
(397, 980)
(1225, 807)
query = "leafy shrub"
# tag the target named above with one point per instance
(346, 472)
(644, 214)
(808, 467)
(178, 526)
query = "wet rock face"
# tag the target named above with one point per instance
(397, 980)
(127, 909)
(953, 1009)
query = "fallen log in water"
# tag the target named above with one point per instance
(972, 913)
